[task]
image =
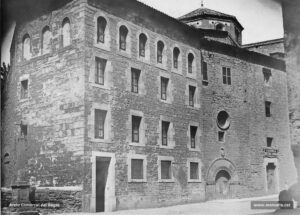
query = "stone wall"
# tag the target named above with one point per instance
(69, 200)
(54, 108)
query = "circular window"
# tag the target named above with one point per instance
(223, 120)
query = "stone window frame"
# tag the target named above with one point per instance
(171, 133)
(198, 137)
(61, 32)
(192, 83)
(165, 158)
(137, 73)
(126, 52)
(145, 59)
(107, 125)
(266, 72)
(142, 129)
(164, 63)
(43, 52)
(192, 75)
(200, 165)
(170, 97)
(129, 163)
(23, 78)
(107, 74)
(26, 35)
(107, 36)
(142, 78)
(177, 70)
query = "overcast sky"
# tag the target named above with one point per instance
(262, 19)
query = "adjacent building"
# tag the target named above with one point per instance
(117, 106)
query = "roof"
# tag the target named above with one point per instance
(264, 43)
(205, 12)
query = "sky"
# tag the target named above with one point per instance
(262, 19)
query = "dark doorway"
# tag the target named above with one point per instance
(102, 164)
(222, 183)
(271, 177)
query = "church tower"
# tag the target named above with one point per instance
(204, 18)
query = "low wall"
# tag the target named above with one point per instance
(69, 199)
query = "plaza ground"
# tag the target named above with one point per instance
(215, 207)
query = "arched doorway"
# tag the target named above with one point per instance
(222, 182)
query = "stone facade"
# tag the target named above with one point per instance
(61, 148)
(270, 47)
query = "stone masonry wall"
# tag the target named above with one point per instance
(121, 101)
(54, 109)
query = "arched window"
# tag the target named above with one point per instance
(220, 27)
(142, 44)
(26, 47)
(123, 36)
(190, 62)
(176, 53)
(160, 49)
(46, 36)
(101, 26)
(66, 32)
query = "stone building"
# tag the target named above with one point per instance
(115, 105)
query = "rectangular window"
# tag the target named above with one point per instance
(136, 121)
(164, 132)
(221, 136)
(193, 131)
(268, 108)
(100, 70)
(269, 141)
(137, 169)
(192, 96)
(166, 171)
(24, 89)
(164, 88)
(267, 74)
(204, 74)
(135, 76)
(194, 171)
(100, 116)
(23, 130)
(226, 76)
